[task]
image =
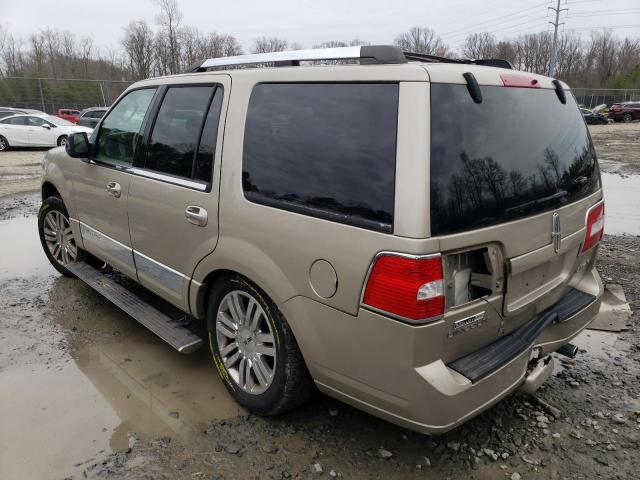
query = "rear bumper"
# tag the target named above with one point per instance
(396, 372)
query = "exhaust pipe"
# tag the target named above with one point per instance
(568, 350)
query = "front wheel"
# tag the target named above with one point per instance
(254, 349)
(56, 235)
(62, 141)
(627, 118)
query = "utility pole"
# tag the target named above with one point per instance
(554, 47)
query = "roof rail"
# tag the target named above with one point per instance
(381, 54)
(488, 62)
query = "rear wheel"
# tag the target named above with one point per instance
(4, 144)
(254, 349)
(627, 118)
(62, 141)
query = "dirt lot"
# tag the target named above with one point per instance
(86, 392)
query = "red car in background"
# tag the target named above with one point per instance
(68, 114)
(625, 112)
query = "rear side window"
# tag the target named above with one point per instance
(518, 153)
(183, 139)
(324, 150)
(16, 121)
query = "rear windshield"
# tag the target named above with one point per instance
(518, 153)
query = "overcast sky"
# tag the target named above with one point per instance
(310, 22)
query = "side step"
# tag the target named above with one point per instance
(169, 330)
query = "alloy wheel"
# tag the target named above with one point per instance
(59, 237)
(246, 342)
(3, 144)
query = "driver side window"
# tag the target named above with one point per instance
(120, 130)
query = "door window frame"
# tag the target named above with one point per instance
(98, 129)
(139, 164)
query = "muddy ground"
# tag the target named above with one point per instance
(86, 392)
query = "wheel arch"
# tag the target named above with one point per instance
(49, 190)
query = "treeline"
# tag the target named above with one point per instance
(168, 46)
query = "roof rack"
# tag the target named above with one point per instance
(377, 54)
(488, 62)
(381, 54)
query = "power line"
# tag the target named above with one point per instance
(517, 15)
(506, 27)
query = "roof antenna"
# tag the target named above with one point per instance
(473, 87)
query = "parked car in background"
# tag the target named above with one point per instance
(72, 115)
(36, 131)
(91, 116)
(625, 112)
(593, 118)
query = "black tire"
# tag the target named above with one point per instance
(627, 118)
(62, 140)
(4, 144)
(54, 203)
(292, 384)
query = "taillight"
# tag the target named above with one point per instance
(595, 226)
(409, 287)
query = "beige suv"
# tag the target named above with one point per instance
(411, 235)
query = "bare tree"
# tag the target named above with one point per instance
(421, 40)
(269, 44)
(138, 48)
(337, 43)
(479, 45)
(169, 19)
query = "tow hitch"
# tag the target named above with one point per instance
(538, 372)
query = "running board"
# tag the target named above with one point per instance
(169, 330)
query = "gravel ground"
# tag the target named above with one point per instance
(132, 409)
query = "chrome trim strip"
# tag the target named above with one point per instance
(109, 245)
(183, 182)
(384, 312)
(160, 273)
(315, 54)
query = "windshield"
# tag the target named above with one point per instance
(518, 153)
(61, 122)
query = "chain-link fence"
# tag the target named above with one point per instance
(592, 97)
(51, 94)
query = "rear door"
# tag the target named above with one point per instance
(173, 198)
(15, 130)
(516, 171)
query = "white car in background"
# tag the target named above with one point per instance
(30, 130)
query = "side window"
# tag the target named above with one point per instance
(325, 150)
(174, 139)
(118, 136)
(16, 121)
(207, 148)
(35, 121)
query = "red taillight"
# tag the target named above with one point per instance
(406, 286)
(595, 227)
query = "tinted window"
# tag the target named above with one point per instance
(35, 121)
(326, 150)
(120, 131)
(95, 114)
(518, 153)
(176, 130)
(207, 147)
(16, 121)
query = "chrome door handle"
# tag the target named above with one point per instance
(114, 189)
(196, 215)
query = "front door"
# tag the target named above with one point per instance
(40, 132)
(173, 197)
(101, 186)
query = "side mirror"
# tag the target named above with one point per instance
(77, 145)
(46, 127)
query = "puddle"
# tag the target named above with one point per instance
(79, 378)
(21, 254)
(622, 200)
